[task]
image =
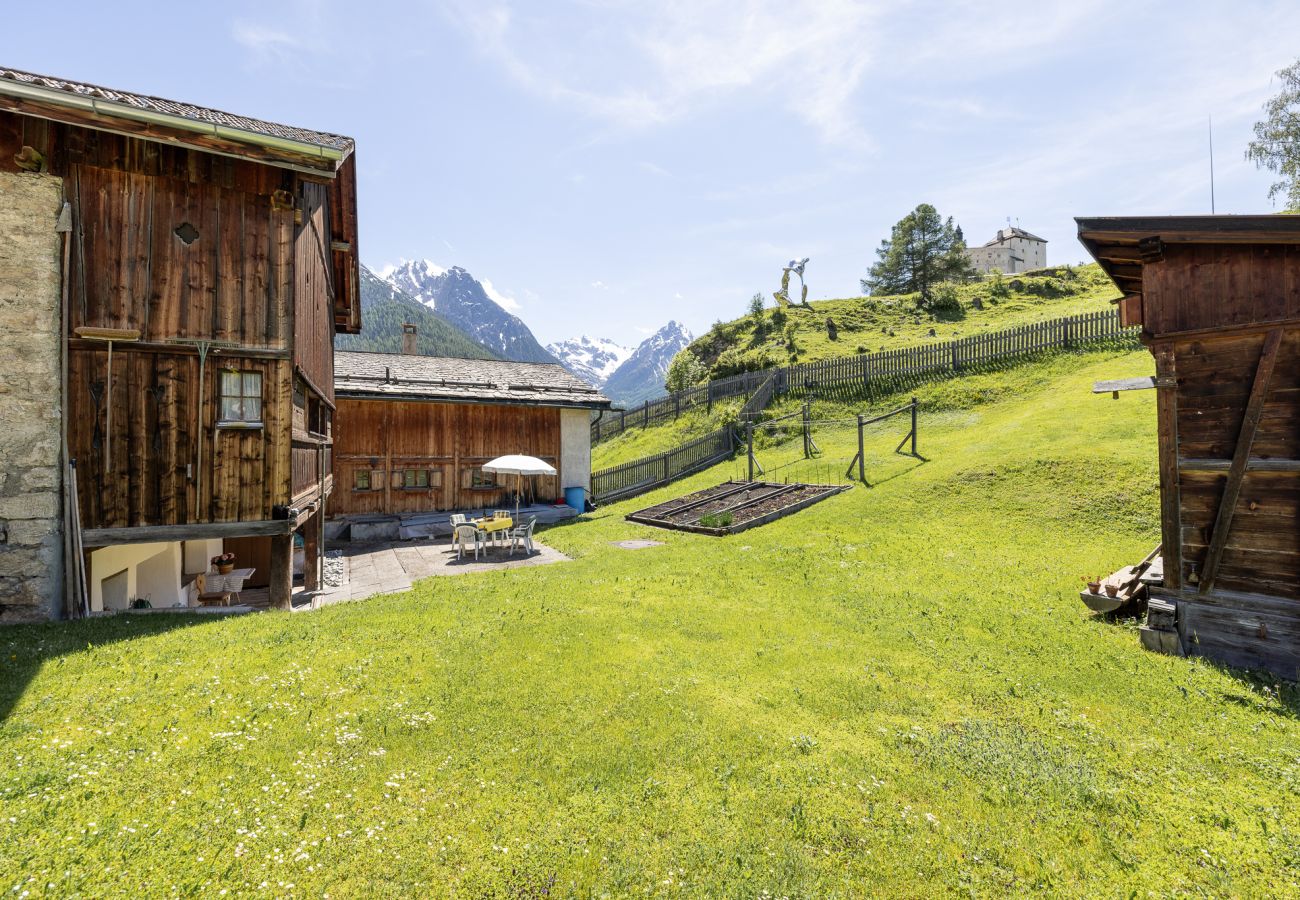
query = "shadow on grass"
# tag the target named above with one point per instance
(918, 462)
(25, 649)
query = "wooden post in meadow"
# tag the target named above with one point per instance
(749, 446)
(914, 426)
(862, 465)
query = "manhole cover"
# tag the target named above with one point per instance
(637, 545)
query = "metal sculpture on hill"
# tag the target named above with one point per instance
(783, 296)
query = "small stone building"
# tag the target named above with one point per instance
(1012, 250)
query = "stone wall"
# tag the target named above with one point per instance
(31, 532)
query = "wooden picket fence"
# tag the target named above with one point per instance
(651, 471)
(869, 373)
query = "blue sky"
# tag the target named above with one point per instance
(610, 165)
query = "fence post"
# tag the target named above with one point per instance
(665, 465)
(749, 442)
(862, 463)
(914, 426)
(645, 415)
(677, 406)
(806, 453)
(956, 365)
(1065, 332)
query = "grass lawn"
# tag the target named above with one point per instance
(895, 692)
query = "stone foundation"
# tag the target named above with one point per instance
(31, 530)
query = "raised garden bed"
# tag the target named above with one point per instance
(734, 506)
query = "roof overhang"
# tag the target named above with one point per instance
(353, 392)
(1123, 245)
(131, 121)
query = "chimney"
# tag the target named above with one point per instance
(408, 339)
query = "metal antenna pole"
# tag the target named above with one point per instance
(1211, 130)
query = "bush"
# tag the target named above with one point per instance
(944, 300)
(778, 318)
(736, 361)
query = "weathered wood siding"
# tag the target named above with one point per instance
(186, 246)
(387, 436)
(313, 274)
(1262, 553)
(1215, 286)
(161, 415)
(1223, 322)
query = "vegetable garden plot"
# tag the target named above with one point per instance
(734, 506)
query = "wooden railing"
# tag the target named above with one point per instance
(311, 463)
(651, 471)
(885, 370)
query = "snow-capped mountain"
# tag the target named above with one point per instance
(386, 308)
(641, 376)
(591, 359)
(461, 299)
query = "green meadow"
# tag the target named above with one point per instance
(893, 693)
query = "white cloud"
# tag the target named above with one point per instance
(505, 301)
(265, 43)
(637, 66)
(599, 285)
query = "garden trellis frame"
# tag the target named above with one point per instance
(859, 459)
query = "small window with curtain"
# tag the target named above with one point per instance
(361, 480)
(241, 398)
(480, 479)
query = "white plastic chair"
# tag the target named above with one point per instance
(457, 519)
(467, 533)
(523, 534)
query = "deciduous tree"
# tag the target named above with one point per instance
(1277, 138)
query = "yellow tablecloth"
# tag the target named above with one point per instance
(491, 525)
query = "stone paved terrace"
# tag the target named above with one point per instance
(391, 566)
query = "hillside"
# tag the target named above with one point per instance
(385, 309)
(894, 692)
(950, 395)
(872, 324)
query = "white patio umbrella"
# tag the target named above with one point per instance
(515, 464)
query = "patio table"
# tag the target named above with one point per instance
(494, 527)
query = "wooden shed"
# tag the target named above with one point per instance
(415, 431)
(207, 260)
(1218, 299)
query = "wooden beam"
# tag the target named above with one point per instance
(281, 584)
(149, 534)
(1240, 457)
(1254, 464)
(1143, 383)
(1167, 430)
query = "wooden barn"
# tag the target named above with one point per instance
(414, 431)
(1218, 299)
(202, 263)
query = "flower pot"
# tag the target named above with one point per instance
(225, 568)
(1112, 590)
(1094, 587)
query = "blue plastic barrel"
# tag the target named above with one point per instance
(576, 497)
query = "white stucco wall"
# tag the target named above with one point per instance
(575, 448)
(31, 506)
(152, 570)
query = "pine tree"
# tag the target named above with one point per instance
(922, 251)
